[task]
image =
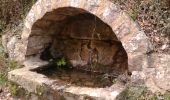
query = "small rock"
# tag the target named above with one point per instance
(74, 76)
(1, 90)
(90, 84)
(155, 31)
(8, 94)
(65, 78)
(164, 46)
(157, 39)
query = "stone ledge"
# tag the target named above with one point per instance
(31, 81)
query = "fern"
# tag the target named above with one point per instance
(61, 62)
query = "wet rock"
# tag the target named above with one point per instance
(65, 78)
(89, 84)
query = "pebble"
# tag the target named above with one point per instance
(65, 78)
(89, 84)
(164, 46)
(8, 94)
(1, 90)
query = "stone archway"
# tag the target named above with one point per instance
(133, 39)
(80, 37)
(125, 31)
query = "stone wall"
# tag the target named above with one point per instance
(133, 39)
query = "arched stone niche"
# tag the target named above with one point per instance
(45, 13)
(80, 37)
(79, 26)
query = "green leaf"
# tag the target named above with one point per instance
(61, 62)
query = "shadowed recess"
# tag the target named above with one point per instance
(84, 41)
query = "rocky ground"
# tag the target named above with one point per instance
(5, 94)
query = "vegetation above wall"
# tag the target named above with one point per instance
(12, 12)
(154, 18)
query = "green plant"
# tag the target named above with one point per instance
(12, 65)
(61, 62)
(13, 88)
(166, 96)
(40, 90)
(134, 14)
(153, 98)
(114, 81)
(3, 79)
(133, 93)
(2, 51)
